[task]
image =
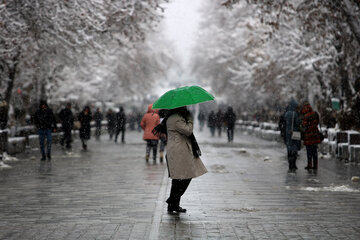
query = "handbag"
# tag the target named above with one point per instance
(77, 125)
(295, 135)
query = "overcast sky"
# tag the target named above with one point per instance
(181, 22)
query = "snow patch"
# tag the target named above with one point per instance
(8, 158)
(4, 166)
(342, 188)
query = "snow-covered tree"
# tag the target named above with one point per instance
(39, 39)
(301, 48)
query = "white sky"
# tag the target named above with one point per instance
(181, 22)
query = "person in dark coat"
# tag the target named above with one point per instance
(85, 118)
(98, 117)
(120, 123)
(45, 122)
(212, 122)
(230, 119)
(219, 121)
(67, 121)
(311, 135)
(110, 117)
(292, 123)
(201, 118)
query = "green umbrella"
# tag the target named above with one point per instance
(183, 96)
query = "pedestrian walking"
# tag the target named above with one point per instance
(45, 123)
(212, 123)
(149, 121)
(110, 117)
(98, 117)
(183, 155)
(292, 125)
(219, 121)
(201, 118)
(120, 122)
(311, 132)
(67, 121)
(230, 119)
(85, 118)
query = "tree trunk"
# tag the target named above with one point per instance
(9, 90)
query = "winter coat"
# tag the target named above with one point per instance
(85, 130)
(310, 125)
(292, 118)
(98, 117)
(181, 162)
(120, 120)
(219, 119)
(45, 119)
(230, 118)
(67, 119)
(212, 120)
(110, 116)
(150, 120)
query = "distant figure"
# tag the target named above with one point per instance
(45, 122)
(201, 118)
(98, 117)
(219, 121)
(110, 117)
(150, 120)
(120, 122)
(85, 118)
(67, 121)
(212, 122)
(311, 135)
(292, 123)
(230, 119)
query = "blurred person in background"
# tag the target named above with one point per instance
(45, 122)
(67, 121)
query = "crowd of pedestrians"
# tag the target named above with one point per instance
(45, 120)
(218, 121)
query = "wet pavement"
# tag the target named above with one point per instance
(110, 192)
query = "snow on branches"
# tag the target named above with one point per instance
(265, 52)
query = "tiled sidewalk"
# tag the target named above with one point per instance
(111, 193)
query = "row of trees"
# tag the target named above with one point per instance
(261, 53)
(94, 49)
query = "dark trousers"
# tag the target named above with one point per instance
(212, 131)
(66, 138)
(312, 156)
(151, 144)
(292, 155)
(122, 130)
(45, 133)
(230, 133)
(97, 131)
(178, 188)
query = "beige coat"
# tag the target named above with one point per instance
(180, 159)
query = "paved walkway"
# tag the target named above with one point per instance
(110, 192)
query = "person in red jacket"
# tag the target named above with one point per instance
(150, 120)
(311, 135)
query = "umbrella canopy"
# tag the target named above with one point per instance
(183, 96)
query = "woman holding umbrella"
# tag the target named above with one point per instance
(183, 153)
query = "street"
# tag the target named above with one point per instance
(110, 192)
